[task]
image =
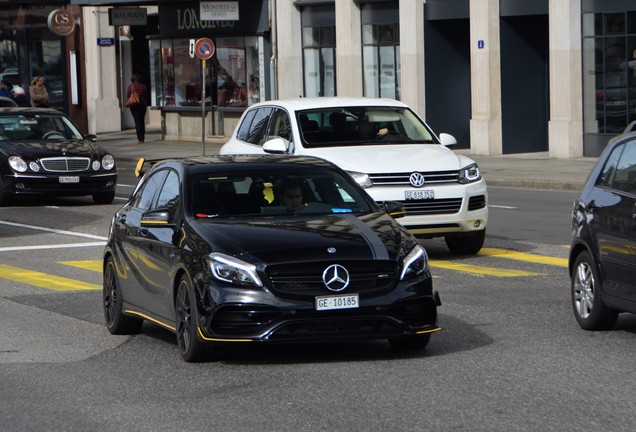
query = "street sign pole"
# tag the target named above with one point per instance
(203, 105)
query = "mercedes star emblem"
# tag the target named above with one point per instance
(335, 277)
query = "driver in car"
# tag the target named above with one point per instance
(367, 130)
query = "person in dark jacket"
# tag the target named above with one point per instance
(138, 110)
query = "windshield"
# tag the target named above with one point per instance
(30, 126)
(350, 126)
(278, 191)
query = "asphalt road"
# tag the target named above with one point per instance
(510, 356)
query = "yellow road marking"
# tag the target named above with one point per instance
(44, 280)
(480, 270)
(525, 257)
(93, 265)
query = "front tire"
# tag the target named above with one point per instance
(116, 321)
(192, 348)
(465, 244)
(410, 343)
(587, 297)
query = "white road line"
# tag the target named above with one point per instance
(503, 207)
(56, 231)
(55, 246)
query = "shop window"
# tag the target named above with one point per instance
(381, 49)
(609, 81)
(232, 74)
(319, 50)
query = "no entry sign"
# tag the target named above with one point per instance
(204, 48)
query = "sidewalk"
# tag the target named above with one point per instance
(527, 170)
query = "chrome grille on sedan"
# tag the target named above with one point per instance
(298, 281)
(65, 164)
(402, 179)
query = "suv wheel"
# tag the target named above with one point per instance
(465, 244)
(587, 298)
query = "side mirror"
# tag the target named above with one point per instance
(395, 209)
(156, 219)
(276, 146)
(91, 137)
(447, 139)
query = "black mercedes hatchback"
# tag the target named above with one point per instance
(236, 249)
(602, 260)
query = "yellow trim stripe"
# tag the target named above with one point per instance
(525, 257)
(479, 270)
(44, 280)
(204, 337)
(429, 331)
(144, 316)
(93, 265)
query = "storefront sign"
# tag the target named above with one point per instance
(61, 22)
(127, 16)
(219, 10)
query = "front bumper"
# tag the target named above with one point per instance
(259, 316)
(51, 184)
(455, 208)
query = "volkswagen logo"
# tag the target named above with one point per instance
(335, 277)
(417, 180)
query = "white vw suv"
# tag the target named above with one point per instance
(388, 149)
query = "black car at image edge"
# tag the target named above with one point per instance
(212, 249)
(43, 153)
(602, 261)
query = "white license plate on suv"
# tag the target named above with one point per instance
(337, 302)
(419, 194)
(69, 179)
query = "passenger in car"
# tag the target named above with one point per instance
(292, 196)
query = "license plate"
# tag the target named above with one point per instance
(419, 194)
(337, 302)
(69, 179)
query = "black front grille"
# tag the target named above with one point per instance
(402, 179)
(65, 164)
(301, 281)
(432, 206)
(476, 202)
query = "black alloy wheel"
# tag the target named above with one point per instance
(116, 321)
(587, 297)
(191, 347)
(410, 343)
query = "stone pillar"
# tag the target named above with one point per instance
(289, 71)
(103, 105)
(412, 55)
(485, 65)
(348, 49)
(565, 128)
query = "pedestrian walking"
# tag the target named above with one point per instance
(137, 101)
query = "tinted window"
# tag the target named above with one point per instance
(280, 125)
(259, 126)
(245, 125)
(169, 195)
(605, 179)
(625, 177)
(144, 197)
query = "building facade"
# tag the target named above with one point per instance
(503, 76)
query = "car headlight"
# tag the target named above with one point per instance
(108, 162)
(96, 165)
(34, 166)
(229, 269)
(415, 263)
(361, 178)
(469, 174)
(17, 163)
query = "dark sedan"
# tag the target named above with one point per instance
(602, 255)
(224, 249)
(43, 152)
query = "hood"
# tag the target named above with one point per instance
(390, 158)
(50, 148)
(287, 239)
